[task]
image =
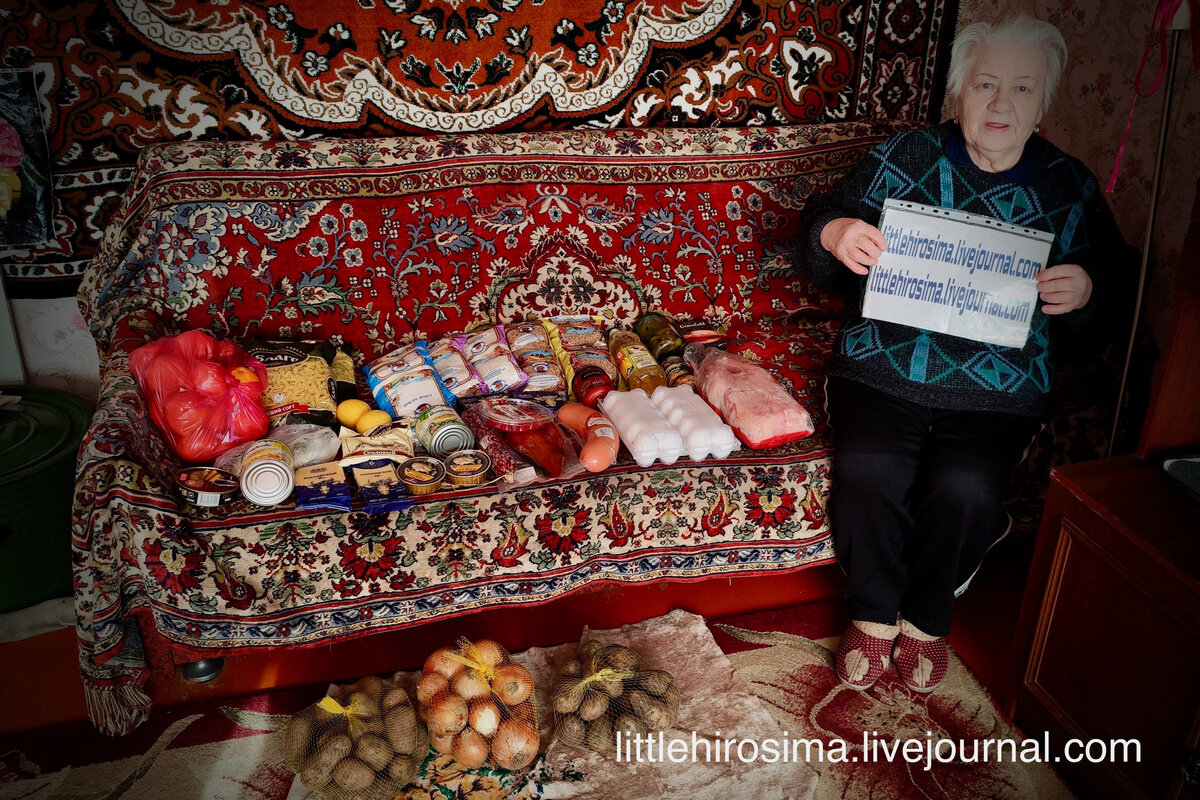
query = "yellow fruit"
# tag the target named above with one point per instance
(348, 412)
(372, 419)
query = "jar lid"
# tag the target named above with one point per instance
(42, 429)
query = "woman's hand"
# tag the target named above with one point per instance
(855, 243)
(1063, 288)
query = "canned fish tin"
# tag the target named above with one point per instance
(422, 474)
(267, 474)
(468, 467)
(206, 487)
(441, 431)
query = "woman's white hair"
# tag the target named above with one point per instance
(1021, 28)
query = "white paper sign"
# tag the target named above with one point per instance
(953, 272)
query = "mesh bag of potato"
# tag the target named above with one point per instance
(363, 742)
(604, 691)
(479, 705)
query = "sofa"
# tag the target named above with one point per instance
(380, 242)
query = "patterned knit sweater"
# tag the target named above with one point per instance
(1048, 190)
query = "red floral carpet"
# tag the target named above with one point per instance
(232, 749)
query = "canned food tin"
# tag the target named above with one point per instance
(441, 431)
(207, 487)
(267, 474)
(468, 467)
(422, 474)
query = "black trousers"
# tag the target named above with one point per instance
(916, 500)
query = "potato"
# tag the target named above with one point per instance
(353, 775)
(568, 694)
(672, 699)
(332, 748)
(403, 732)
(622, 659)
(630, 725)
(316, 777)
(373, 751)
(403, 769)
(393, 698)
(297, 736)
(571, 730)
(571, 669)
(593, 705)
(655, 681)
(613, 688)
(654, 712)
(363, 706)
(587, 652)
(600, 736)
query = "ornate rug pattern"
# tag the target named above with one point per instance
(116, 75)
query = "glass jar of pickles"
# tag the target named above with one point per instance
(660, 334)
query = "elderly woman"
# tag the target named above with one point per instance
(927, 427)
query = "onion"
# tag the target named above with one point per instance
(513, 684)
(430, 686)
(484, 717)
(443, 744)
(447, 715)
(470, 749)
(470, 685)
(440, 660)
(515, 744)
(489, 653)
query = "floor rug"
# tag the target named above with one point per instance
(757, 677)
(958, 726)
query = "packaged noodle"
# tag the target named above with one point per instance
(305, 380)
(605, 691)
(479, 705)
(362, 742)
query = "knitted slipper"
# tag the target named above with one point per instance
(861, 658)
(920, 664)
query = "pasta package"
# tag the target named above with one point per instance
(305, 380)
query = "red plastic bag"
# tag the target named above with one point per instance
(203, 394)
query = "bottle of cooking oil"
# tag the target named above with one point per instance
(634, 361)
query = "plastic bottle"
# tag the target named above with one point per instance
(660, 334)
(634, 361)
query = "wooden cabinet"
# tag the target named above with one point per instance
(1110, 626)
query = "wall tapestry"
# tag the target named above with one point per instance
(117, 75)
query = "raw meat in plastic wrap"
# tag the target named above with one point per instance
(761, 412)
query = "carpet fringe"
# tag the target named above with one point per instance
(116, 710)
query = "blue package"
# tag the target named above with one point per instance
(322, 487)
(379, 487)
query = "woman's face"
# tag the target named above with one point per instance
(1001, 103)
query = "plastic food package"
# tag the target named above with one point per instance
(491, 361)
(479, 705)
(305, 380)
(531, 346)
(761, 412)
(404, 382)
(362, 742)
(452, 369)
(310, 443)
(645, 431)
(509, 465)
(203, 394)
(604, 691)
(704, 432)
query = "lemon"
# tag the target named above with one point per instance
(348, 412)
(372, 419)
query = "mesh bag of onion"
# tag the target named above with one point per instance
(479, 705)
(604, 691)
(362, 741)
